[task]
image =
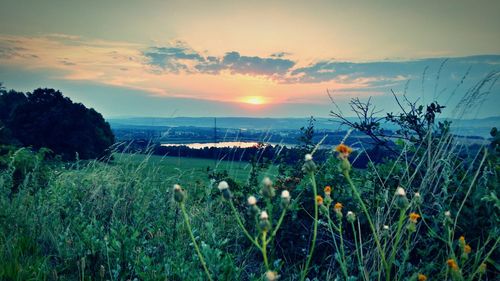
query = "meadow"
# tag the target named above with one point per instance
(430, 213)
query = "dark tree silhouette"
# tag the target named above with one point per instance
(45, 118)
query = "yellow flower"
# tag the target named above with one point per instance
(422, 277)
(343, 149)
(452, 264)
(319, 200)
(461, 241)
(467, 249)
(328, 190)
(482, 268)
(338, 207)
(414, 217)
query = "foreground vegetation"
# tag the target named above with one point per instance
(429, 213)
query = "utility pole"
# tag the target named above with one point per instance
(215, 142)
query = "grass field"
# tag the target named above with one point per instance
(190, 169)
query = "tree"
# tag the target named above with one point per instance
(45, 118)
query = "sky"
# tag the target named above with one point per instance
(254, 58)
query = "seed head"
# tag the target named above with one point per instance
(271, 276)
(223, 185)
(400, 191)
(252, 200)
(264, 215)
(421, 277)
(351, 217)
(285, 197)
(308, 157)
(179, 194)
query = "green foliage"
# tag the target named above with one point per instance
(45, 118)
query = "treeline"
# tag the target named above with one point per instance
(271, 153)
(45, 118)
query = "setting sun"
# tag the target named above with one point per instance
(254, 100)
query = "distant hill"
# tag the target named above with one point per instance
(467, 127)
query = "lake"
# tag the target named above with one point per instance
(239, 144)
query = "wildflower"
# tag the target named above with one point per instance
(461, 242)
(401, 200)
(421, 277)
(351, 217)
(447, 218)
(267, 188)
(264, 223)
(223, 185)
(224, 188)
(319, 200)
(467, 249)
(414, 217)
(179, 194)
(264, 215)
(344, 150)
(309, 165)
(417, 198)
(271, 275)
(482, 268)
(252, 200)
(328, 190)
(285, 197)
(308, 157)
(338, 207)
(385, 227)
(267, 181)
(400, 191)
(452, 264)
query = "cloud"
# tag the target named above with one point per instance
(172, 58)
(181, 58)
(177, 70)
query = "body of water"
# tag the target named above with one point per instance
(239, 144)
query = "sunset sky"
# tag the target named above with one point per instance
(250, 58)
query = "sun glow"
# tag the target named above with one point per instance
(254, 100)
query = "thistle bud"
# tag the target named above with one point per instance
(102, 272)
(447, 218)
(179, 194)
(224, 188)
(351, 217)
(264, 223)
(271, 275)
(309, 165)
(401, 200)
(417, 198)
(252, 200)
(285, 198)
(338, 210)
(267, 188)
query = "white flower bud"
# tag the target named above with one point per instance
(447, 214)
(417, 194)
(177, 187)
(285, 194)
(264, 215)
(252, 200)
(267, 181)
(223, 185)
(308, 157)
(400, 191)
(386, 227)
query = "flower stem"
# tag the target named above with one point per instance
(365, 210)
(275, 230)
(241, 225)
(315, 229)
(399, 234)
(264, 249)
(200, 256)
